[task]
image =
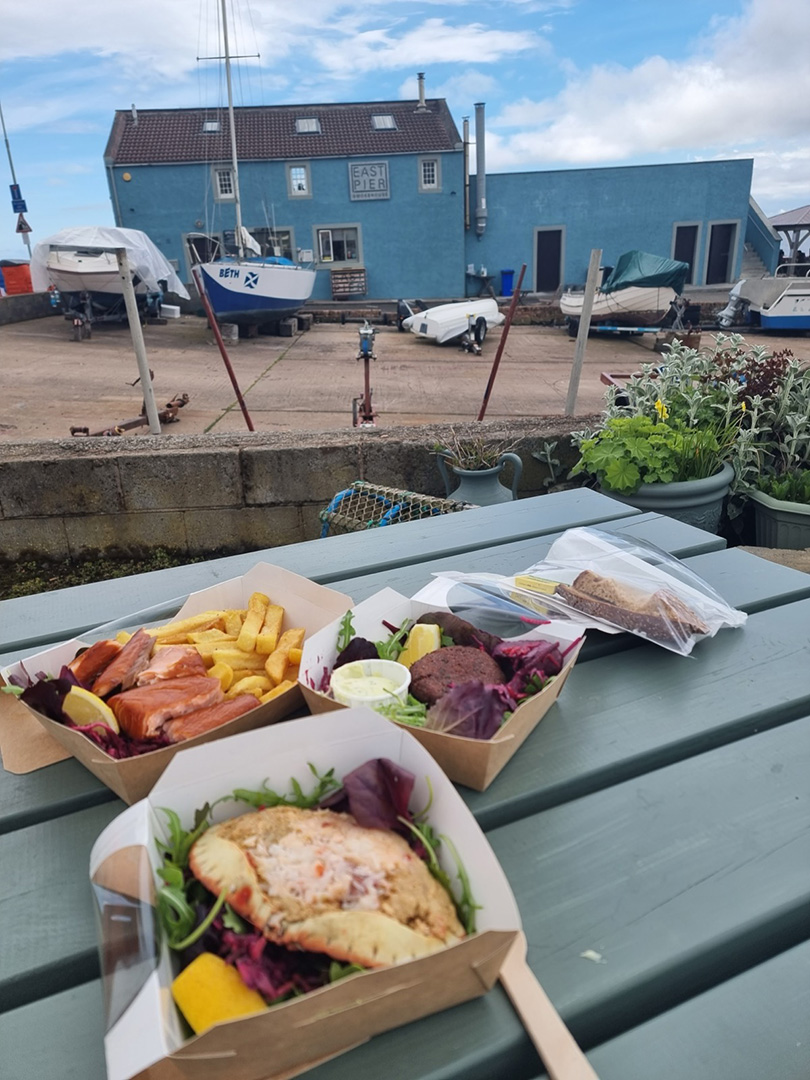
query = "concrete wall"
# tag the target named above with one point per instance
(24, 306)
(215, 494)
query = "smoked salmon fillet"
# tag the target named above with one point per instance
(172, 662)
(127, 665)
(142, 711)
(202, 720)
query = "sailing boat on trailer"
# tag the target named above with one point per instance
(250, 288)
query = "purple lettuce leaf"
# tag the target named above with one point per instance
(46, 696)
(376, 794)
(471, 709)
(359, 648)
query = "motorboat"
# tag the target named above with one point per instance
(778, 302)
(81, 265)
(446, 322)
(247, 288)
(638, 291)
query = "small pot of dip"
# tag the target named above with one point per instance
(370, 682)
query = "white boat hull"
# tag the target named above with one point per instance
(631, 306)
(251, 291)
(449, 321)
(72, 272)
(779, 302)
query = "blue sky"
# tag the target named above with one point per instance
(567, 83)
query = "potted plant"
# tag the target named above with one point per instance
(669, 439)
(477, 462)
(774, 464)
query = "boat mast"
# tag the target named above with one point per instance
(236, 200)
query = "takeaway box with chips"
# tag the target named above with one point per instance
(306, 605)
(469, 761)
(146, 1037)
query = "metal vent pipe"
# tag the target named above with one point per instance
(466, 138)
(420, 80)
(480, 171)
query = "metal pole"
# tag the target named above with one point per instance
(582, 332)
(212, 319)
(25, 237)
(134, 317)
(502, 342)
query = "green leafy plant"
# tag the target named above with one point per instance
(735, 402)
(633, 450)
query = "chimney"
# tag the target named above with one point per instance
(134, 115)
(420, 79)
(480, 172)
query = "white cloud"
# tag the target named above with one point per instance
(737, 90)
(434, 41)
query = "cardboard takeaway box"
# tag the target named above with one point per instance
(472, 762)
(305, 604)
(145, 1038)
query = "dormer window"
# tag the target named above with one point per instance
(383, 122)
(308, 125)
(210, 126)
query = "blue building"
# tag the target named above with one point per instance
(380, 197)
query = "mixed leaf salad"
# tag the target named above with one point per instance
(470, 708)
(377, 794)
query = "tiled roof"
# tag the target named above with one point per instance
(264, 133)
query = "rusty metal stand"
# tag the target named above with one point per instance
(362, 413)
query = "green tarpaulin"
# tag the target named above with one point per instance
(646, 271)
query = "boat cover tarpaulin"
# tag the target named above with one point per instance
(642, 270)
(143, 257)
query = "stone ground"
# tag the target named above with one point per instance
(49, 383)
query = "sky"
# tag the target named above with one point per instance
(566, 83)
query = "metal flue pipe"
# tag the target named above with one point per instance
(480, 171)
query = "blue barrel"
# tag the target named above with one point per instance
(507, 282)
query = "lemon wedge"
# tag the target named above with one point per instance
(424, 638)
(85, 708)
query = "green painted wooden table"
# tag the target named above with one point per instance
(654, 827)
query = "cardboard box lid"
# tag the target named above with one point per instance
(306, 604)
(472, 762)
(344, 1013)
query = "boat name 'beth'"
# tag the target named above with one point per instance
(228, 271)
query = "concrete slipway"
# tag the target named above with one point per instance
(50, 383)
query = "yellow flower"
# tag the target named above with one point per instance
(743, 406)
(661, 409)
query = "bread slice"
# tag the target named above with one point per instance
(660, 615)
(315, 879)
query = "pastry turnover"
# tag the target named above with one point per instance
(316, 880)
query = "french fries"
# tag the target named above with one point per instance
(245, 649)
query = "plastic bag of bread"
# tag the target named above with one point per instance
(615, 584)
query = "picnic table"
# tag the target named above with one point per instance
(654, 827)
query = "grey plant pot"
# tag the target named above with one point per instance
(695, 502)
(780, 524)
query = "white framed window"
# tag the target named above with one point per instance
(210, 126)
(299, 185)
(223, 184)
(383, 122)
(307, 125)
(339, 245)
(430, 174)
